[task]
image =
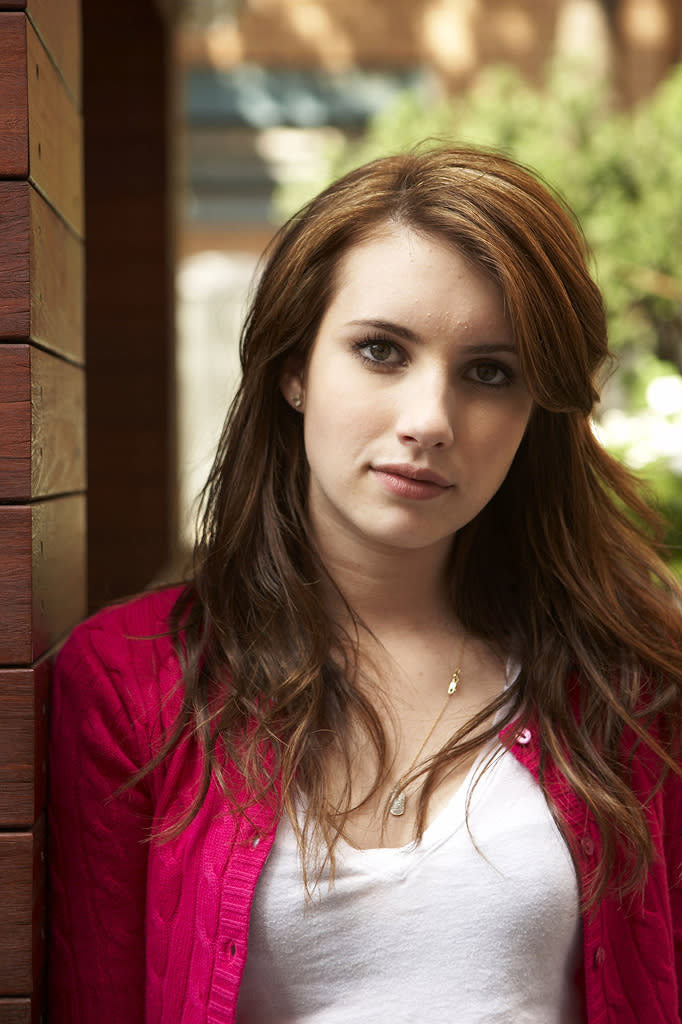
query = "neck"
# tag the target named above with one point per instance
(389, 590)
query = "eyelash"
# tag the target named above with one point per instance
(383, 366)
(378, 363)
(497, 384)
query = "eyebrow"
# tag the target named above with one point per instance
(493, 347)
(389, 327)
(404, 332)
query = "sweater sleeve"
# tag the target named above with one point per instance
(673, 853)
(98, 839)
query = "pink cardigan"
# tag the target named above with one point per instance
(152, 933)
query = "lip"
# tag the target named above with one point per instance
(408, 481)
(413, 473)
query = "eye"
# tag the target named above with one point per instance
(380, 352)
(490, 374)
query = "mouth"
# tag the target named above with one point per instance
(409, 472)
(411, 482)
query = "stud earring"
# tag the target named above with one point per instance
(296, 401)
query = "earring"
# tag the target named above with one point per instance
(297, 401)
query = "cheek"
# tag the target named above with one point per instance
(498, 431)
(340, 430)
(341, 411)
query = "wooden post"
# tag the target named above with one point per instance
(130, 295)
(43, 352)
(42, 447)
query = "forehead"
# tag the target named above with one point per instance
(404, 245)
(414, 283)
(400, 263)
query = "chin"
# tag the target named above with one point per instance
(409, 538)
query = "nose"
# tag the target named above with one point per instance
(425, 416)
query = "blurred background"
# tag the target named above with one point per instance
(279, 96)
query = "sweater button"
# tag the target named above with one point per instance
(524, 737)
(599, 956)
(587, 845)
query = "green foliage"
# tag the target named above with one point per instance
(668, 492)
(621, 172)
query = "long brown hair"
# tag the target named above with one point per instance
(560, 567)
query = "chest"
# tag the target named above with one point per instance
(464, 918)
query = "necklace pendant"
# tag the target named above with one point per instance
(397, 806)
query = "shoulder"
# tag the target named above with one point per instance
(135, 628)
(143, 616)
(123, 656)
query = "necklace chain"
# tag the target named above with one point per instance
(397, 799)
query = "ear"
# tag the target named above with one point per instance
(291, 386)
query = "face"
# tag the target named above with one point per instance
(412, 396)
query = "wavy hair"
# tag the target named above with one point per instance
(561, 566)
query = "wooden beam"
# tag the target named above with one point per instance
(15, 585)
(23, 737)
(13, 97)
(17, 1011)
(58, 25)
(55, 156)
(43, 583)
(57, 282)
(42, 424)
(33, 101)
(42, 273)
(15, 422)
(15, 296)
(22, 926)
(57, 425)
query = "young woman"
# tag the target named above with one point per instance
(406, 747)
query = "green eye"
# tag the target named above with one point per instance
(380, 351)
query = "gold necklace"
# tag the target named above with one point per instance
(398, 799)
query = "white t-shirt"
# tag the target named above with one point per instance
(478, 926)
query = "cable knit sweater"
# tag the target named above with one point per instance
(145, 932)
